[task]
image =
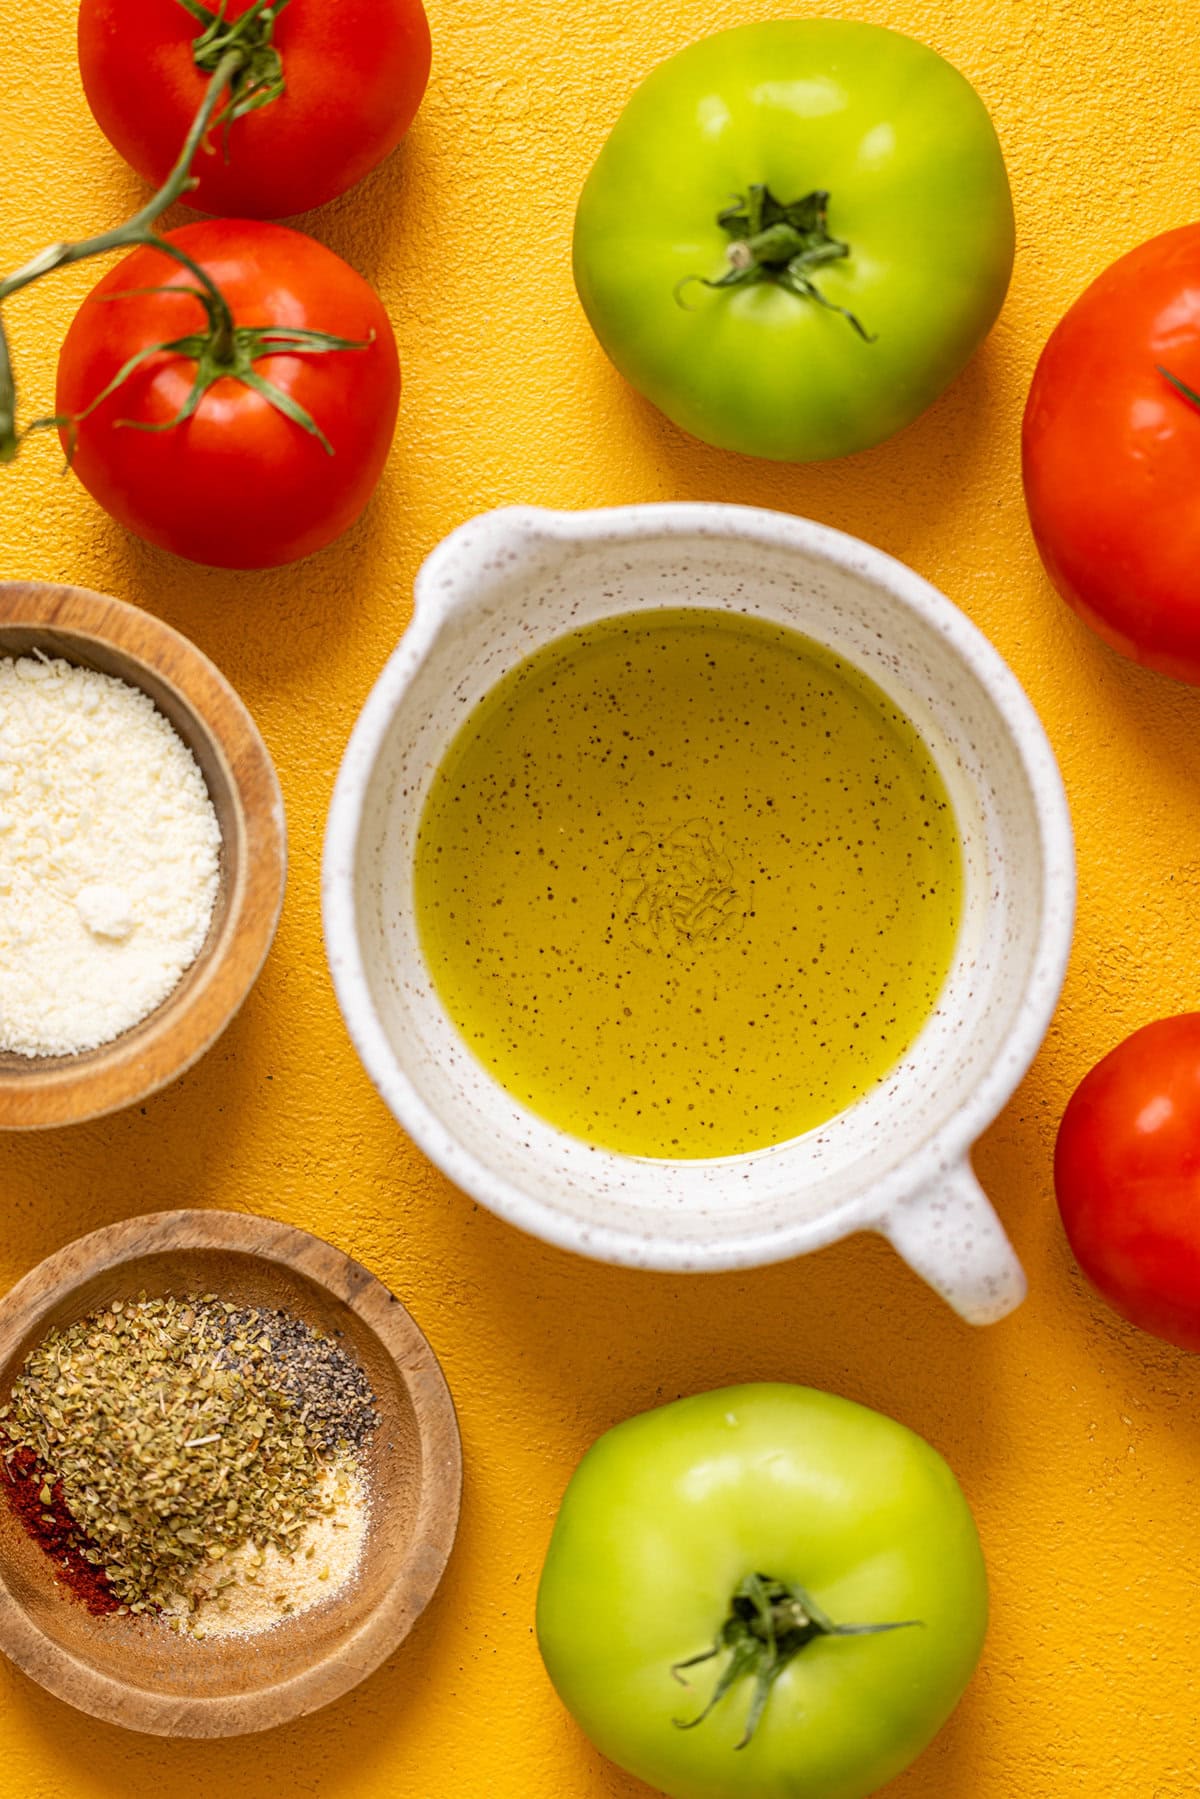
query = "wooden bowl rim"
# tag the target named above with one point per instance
(76, 1681)
(141, 1062)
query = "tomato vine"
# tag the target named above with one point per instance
(251, 78)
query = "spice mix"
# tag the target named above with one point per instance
(187, 1457)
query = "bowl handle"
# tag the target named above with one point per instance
(951, 1237)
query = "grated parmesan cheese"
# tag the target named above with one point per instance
(109, 857)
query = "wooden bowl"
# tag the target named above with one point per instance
(93, 631)
(136, 1672)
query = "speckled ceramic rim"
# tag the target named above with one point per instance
(942, 1156)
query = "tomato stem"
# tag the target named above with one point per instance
(770, 1621)
(783, 244)
(140, 228)
(1181, 387)
(9, 441)
(137, 230)
(235, 51)
(260, 78)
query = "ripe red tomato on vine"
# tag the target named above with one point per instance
(230, 390)
(244, 441)
(327, 89)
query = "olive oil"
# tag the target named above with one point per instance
(688, 883)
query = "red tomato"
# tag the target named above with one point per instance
(1127, 1174)
(1112, 455)
(355, 72)
(239, 484)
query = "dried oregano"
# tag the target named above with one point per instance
(181, 1429)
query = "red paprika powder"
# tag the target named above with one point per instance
(53, 1527)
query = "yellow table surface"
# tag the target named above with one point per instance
(1075, 1437)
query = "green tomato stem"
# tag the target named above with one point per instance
(1181, 387)
(244, 63)
(769, 1623)
(783, 244)
(249, 343)
(139, 230)
(260, 77)
(9, 440)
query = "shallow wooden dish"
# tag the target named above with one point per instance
(97, 632)
(138, 1673)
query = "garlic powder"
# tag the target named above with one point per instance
(109, 857)
(250, 1590)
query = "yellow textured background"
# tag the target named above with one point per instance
(1076, 1439)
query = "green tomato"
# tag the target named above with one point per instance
(796, 236)
(808, 1569)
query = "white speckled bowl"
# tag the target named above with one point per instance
(895, 1162)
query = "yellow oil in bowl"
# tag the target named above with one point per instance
(688, 883)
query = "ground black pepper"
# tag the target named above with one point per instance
(328, 1387)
